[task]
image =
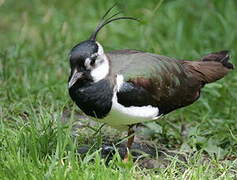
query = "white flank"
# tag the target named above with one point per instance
(148, 112)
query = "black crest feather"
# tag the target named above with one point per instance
(104, 21)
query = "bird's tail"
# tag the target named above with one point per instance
(211, 67)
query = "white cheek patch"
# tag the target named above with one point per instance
(148, 112)
(101, 68)
(87, 63)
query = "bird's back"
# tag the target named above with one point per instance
(171, 83)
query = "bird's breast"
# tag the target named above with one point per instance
(94, 99)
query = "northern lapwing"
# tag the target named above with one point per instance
(125, 87)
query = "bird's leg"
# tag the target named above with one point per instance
(129, 143)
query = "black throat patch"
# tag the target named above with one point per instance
(94, 99)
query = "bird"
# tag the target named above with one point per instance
(123, 88)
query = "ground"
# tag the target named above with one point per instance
(43, 137)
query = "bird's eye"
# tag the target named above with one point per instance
(93, 60)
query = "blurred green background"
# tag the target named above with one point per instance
(35, 39)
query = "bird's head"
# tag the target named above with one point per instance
(87, 59)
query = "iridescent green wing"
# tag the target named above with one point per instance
(165, 79)
(133, 64)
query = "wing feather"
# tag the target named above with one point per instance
(160, 80)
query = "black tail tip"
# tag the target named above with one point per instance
(221, 56)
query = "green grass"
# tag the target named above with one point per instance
(35, 38)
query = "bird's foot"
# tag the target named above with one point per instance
(127, 157)
(125, 160)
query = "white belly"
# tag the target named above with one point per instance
(121, 121)
(120, 117)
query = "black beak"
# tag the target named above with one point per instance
(75, 76)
